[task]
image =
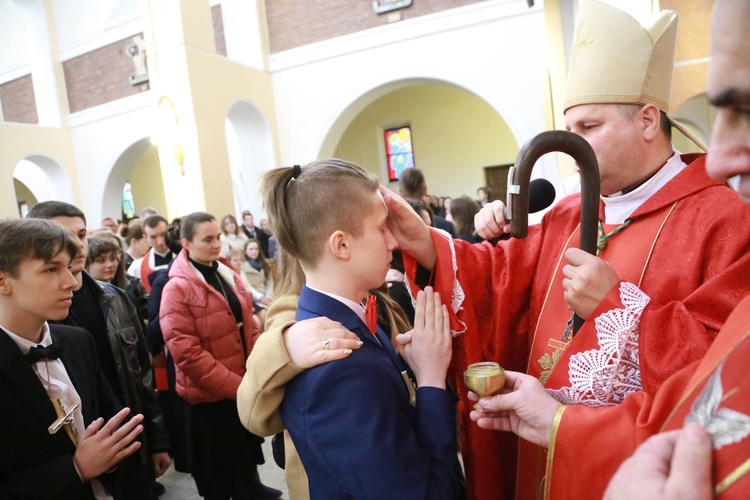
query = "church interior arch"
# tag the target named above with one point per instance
(250, 151)
(139, 164)
(455, 133)
(40, 178)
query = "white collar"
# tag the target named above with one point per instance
(618, 207)
(358, 309)
(24, 344)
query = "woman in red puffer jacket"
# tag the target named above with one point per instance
(207, 320)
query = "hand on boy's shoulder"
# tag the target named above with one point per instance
(315, 341)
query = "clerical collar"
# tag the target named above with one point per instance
(162, 255)
(358, 309)
(25, 344)
(640, 182)
(618, 207)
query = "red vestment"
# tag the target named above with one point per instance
(691, 259)
(581, 468)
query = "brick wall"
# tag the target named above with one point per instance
(218, 21)
(293, 23)
(17, 98)
(100, 76)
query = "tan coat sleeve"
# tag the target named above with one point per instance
(268, 371)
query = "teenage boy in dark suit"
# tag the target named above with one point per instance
(48, 371)
(107, 313)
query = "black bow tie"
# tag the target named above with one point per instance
(52, 351)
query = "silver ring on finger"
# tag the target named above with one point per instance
(326, 344)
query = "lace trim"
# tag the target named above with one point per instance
(605, 376)
(457, 294)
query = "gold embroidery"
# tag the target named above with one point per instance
(548, 362)
(551, 451)
(729, 394)
(732, 478)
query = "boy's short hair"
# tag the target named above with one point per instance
(33, 239)
(54, 208)
(412, 183)
(325, 196)
(99, 246)
(154, 220)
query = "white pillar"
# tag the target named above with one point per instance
(245, 32)
(46, 69)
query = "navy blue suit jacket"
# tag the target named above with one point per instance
(354, 428)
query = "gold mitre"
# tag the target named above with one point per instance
(616, 60)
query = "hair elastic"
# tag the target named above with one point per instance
(297, 171)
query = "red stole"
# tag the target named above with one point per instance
(146, 270)
(729, 353)
(550, 356)
(158, 361)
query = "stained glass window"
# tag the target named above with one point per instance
(128, 206)
(399, 152)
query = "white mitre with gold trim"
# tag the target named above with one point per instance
(617, 60)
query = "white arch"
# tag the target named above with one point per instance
(512, 115)
(45, 178)
(123, 166)
(250, 151)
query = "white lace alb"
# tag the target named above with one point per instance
(604, 376)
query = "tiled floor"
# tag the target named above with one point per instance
(181, 486)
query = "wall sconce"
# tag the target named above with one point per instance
(167, 134)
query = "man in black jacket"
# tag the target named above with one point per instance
(47, 372)
(254, 232)
(107, 313)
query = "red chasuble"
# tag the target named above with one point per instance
(684, 263)
(713, 392)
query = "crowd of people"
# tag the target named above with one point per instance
(135, 347)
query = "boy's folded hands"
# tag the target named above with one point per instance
(429, 351)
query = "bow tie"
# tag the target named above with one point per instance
(52, 351)
(371, 314)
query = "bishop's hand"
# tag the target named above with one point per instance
(411, 233)
(587, 281)
(490, 220)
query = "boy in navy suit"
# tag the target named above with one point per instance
(48, 372)
(360, 430)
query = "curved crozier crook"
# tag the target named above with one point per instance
(520, 176)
